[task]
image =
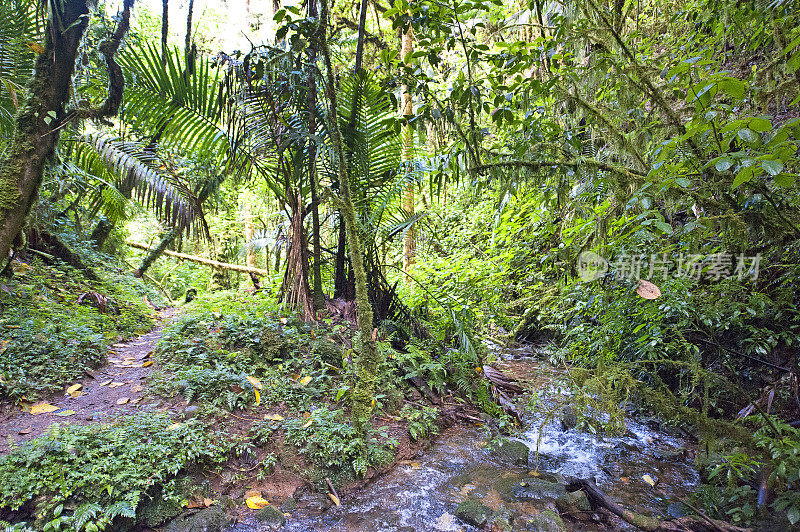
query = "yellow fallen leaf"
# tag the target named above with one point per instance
(175, 426)
(147, 364)
(649, 480)
(305, 380)
(255, 382)
(258, 396)
(256, 502)
(335, 499)
(308, 423)
(42, 408)
(273, 417)
(74, 388)
(65, 413)
(117, 384)
(284, 321)
(122, 400)
(106, 383)
(76, 394)
(208, 502)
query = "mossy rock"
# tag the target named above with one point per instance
(573, 502)
(329, 352)
(473, 512)
(157, 511)
(271, 516)
(513, 451)
(569, 417)
(547, 521)
(208, 520)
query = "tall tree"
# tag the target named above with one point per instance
(40, 121)
(368, 356)
(409, 238)
(319, 296)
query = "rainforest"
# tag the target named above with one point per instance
(395, 265)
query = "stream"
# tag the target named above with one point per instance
(423, 494)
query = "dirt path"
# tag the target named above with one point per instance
(118, 388)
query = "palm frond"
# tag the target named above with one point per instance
(19, 35)
(181, 110)
(136, 173)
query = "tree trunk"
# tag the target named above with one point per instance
(164, 30)
(201, 260)
(409, 238)
(319, 296)
(368, 356)
(39, 122)
(296, 292)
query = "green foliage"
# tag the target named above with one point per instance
(740, 481)
(49, 338)
(332, 444)
(421, 421)
(104, 472)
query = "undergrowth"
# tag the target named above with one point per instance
(95, 477)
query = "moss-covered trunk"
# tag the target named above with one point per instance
(36, 132)
(40, 121)
(368, 357)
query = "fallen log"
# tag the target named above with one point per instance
(650, 524)
(200, 260)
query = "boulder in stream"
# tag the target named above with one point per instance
(546, 521)
(473, 512)
(530, 488)
(513, 451)
(573, 502)
(569, 417)
(271, 517)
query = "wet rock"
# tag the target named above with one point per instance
(289, 505)
(573, 502)
(513, 451)
(547, 521)
(271, 516)
(677, 509)
(190, 411)
(473, 512)
(315, 503)
(569, 417)
(537, 489)
(501, 521)
(208, 520)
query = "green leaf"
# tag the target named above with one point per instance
(748, 135)
(663, 226)
(772, 167)
(723, 164)
(760, 125)
(683, 182)
(793, 514)
(784, 180)
(744, 175)
(733, 87)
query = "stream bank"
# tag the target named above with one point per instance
(468, 480)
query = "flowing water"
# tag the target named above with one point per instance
(423, 494)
